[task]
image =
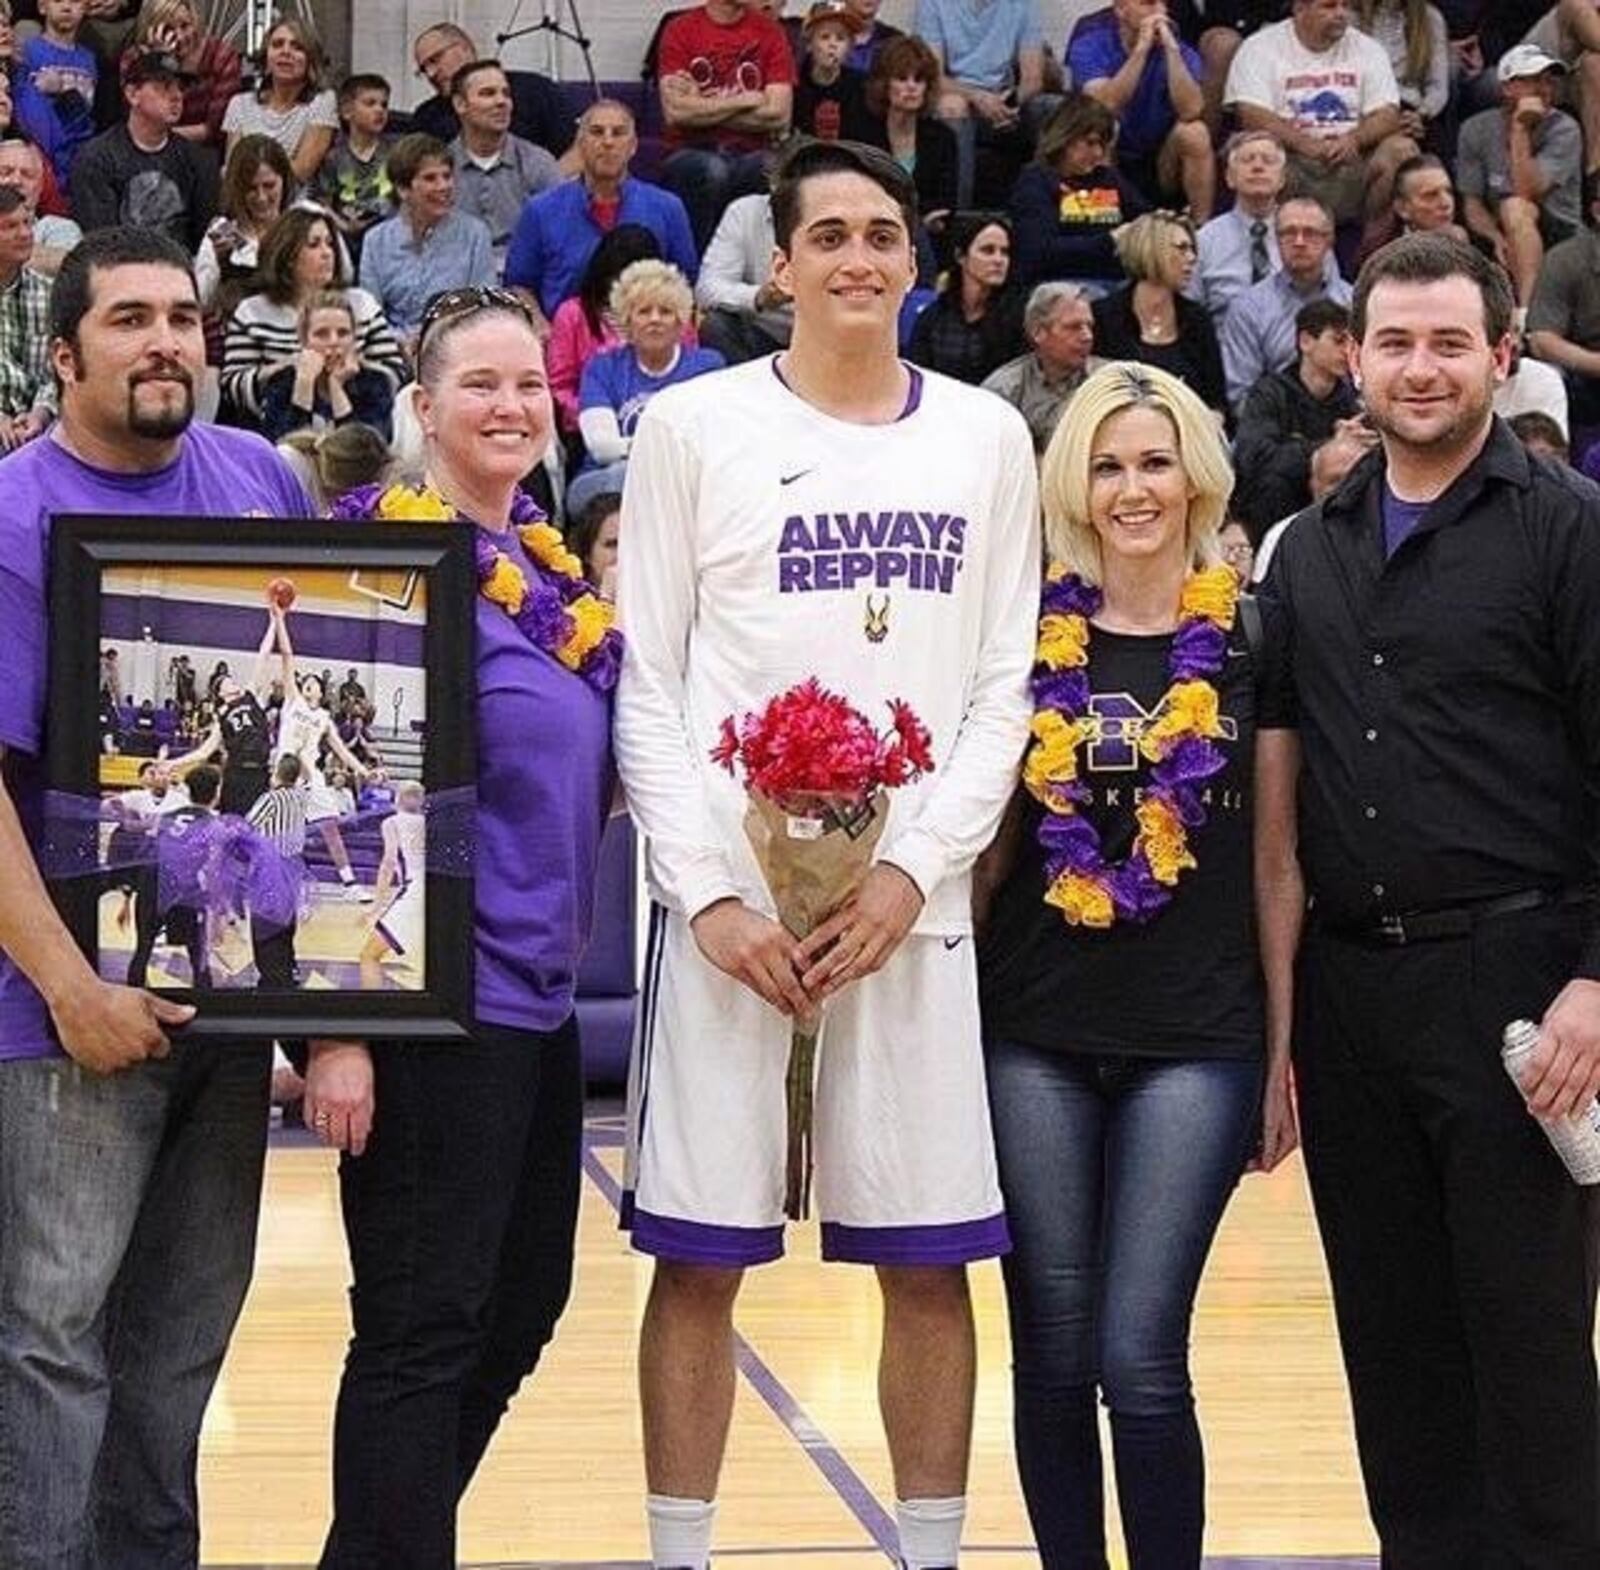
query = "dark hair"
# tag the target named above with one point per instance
(809, 159)
(105, 249)
(410, 153)
(363, 82)
(906, 55)
(1317, 316)
(1078, 116)
(584, 530)
(10, 200)
(203, 783)
(1415, 165)
(281, 246)
(965, 227)
(287, 771)
(458, 82)
(245, 162)
(617, 250)
(1535, 425)
(1431, 258)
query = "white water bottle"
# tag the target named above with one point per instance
(1576, 1138)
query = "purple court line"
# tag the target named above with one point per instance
(845, 1481)
(967, 1551)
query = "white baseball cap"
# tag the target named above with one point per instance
(1526, 60)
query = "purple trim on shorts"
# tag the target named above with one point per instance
(700, 1243)
(913, 392)
(953, 1243)
(389, 938)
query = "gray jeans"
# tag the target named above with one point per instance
(128, 1210)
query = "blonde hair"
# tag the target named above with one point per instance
(649, 279)
(1141, 245)
(154, 14)
(1069, 533)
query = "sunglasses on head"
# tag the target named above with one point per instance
(455, 303)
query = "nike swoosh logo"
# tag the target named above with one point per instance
(789, 479)
(953, 943)
(1238, 654)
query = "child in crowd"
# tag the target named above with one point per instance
(829, 100)
(325, 383)
(54, 86)
(353, 183)
(336, 459)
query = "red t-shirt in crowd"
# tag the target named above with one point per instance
(750, 54)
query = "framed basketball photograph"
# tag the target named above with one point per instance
(260, 768)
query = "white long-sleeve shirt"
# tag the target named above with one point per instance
(738, 261)
(763, 542)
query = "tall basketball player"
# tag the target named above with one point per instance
(827, 512)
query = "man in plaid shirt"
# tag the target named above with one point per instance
(27, 389)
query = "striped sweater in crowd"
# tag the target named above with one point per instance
(262, 335)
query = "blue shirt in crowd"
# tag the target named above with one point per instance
(405, 273)
(557, 234)
(1096, 52)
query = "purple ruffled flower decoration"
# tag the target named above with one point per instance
(1066, 690)
(1134, 890)
(1198, 648)
(1071, 596)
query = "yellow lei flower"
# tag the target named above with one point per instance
(1163, 839)
(544, 544)
(505, 586)
(1083, 901)
(1213, 593)
(592, 619)
(414, 504)
(1063, 641)
(1190, 710)
(1053, 758)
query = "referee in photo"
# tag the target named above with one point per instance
(1444, 611)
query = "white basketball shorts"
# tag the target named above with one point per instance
(905, 1165)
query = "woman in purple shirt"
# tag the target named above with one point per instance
(460, 1172)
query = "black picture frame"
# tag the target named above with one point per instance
(82, 548)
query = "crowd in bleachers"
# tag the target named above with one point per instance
(1191, 189)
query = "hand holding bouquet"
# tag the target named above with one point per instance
(817, 774)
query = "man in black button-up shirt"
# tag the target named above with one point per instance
(1443, 606)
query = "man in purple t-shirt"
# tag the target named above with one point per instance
(130, 1164)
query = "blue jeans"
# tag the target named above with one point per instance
(705, 181)
(461, 1219)
(1116, 1171)
(128, 1212)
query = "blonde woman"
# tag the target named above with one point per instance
(1150, 320)
(210, 64)
(291, 105)
(1136, 997)
(651, 304)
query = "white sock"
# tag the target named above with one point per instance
(346, 876)
(930, 1531)
(680, 1531)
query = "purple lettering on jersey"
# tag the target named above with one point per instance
(917, 550)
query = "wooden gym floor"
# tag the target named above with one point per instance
(807, 1481)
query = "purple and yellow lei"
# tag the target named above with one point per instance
(557, 612)
(1180, 745)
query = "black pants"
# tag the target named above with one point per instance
(460, 1219)
(1463, 1258)
(275, 956)
(184, 925)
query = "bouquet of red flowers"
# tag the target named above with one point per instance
(816, 772)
